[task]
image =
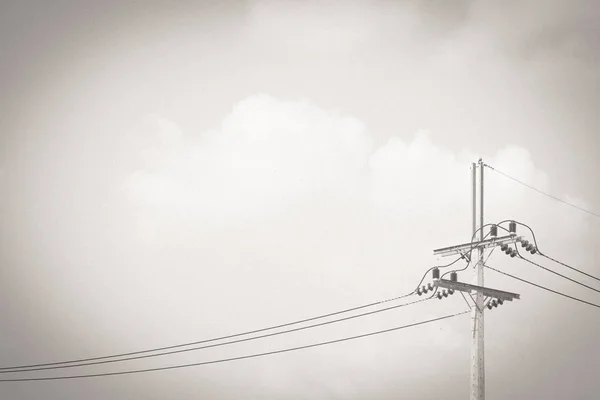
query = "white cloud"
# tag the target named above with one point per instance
(266, 155)
(291, 202)
(270, 159)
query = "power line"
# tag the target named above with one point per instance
(132, 353)
(568, 266)
(556, 273)
(462, 269)
(216, 344)
(39, 366)
(543, 287)
(553, 259)
(544, 193)
(138, 371)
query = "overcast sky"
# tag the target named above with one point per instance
(175, 171)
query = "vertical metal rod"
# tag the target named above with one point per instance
(474, 169)
(481, 205)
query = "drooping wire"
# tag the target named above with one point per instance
(439, 267)
(544, 193)
(22, 368)
(553, 259)
(223, 360)
(132, 353)
(455, 270)
(421, 281)
(85, 364)
(35, 367)
(543, 287)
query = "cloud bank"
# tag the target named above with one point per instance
(286, 200)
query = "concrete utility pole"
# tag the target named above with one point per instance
(477, 288)
(477, 345)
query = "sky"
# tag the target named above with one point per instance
(176, 171)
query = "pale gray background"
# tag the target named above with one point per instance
(171, 171)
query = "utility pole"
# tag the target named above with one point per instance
(477, 345)
(482, 294)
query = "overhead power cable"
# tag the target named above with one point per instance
(223, 360)
(542, 192)
(543, 287)
(216, 344)
(457, 270)
(553, 259)
(175, 346)
(22, 368)
(568, 266)
(557, 273)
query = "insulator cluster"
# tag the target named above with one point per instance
(424, 289)
(494, 303)
(508, 250)
(445, 293)
(529, 246)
